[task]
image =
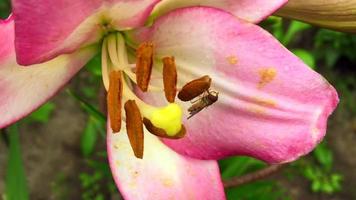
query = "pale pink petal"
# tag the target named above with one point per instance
(162, 174)
(251, 10)
(23, 89)
(271, 105)
(45, 29)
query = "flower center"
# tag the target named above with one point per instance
(119, 76)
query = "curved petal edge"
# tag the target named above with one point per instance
(162, 173)
(252, 11)
(46, 29)
(23, 89)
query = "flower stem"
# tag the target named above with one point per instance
(254, 176)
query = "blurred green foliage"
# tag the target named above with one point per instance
(42, 114)
(331, 45)
(260, 190)
(99, 181)
(5, 8)
(16, 184)
(321, 174)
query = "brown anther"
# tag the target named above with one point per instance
(194, 88)
(162, 133)
(113, 99)
(134, 127)
(169, 78)
(144, 55)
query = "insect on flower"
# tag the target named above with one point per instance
(209, 97)
(195, 88)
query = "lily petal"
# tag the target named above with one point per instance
(24, 89)
(252, 11)
(46, 29)
(271, 105)
(162, 173)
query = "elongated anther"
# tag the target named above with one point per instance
(134, 127)
(194, 88)
(114, 98)
(169, 78)
(144, 55)
(160, 132)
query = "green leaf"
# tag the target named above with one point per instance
(89, 136)
(260, 190)
(316, 186)
(16, 185)
(294, 28)
(5, 8)
(88, 107)
(306, 56)
(237, 166)
(42, 114)
(94, 65)
(324, 156)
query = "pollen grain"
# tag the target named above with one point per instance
(134, 127)
(114, 98)
(144, 64)
(169, 78)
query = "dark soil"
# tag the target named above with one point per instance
(51, 152)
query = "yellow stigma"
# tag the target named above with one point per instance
(168, 118)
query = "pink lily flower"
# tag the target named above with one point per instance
(271, 105)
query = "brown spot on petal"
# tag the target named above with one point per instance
(232, 60)
(194, 88)
(266, 76)
(169, 78)
(134, 127)
(144, 55)
(162, 133)
(113, 99)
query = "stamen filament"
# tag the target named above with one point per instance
(145, 108)
(113, 52)
(104, 65)
(121, 49)
(132, 77)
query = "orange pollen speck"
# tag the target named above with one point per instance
(267, 75)
(232, 60)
